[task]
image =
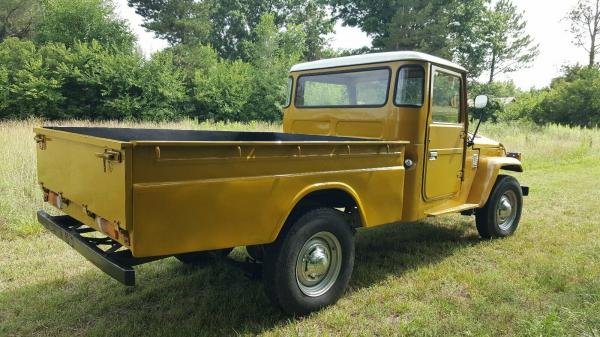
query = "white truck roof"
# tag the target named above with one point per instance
(375, 58)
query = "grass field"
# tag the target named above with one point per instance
(431, 278)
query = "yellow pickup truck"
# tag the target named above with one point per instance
(368, 140)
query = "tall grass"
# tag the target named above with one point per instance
(21, 196)
(545, 146)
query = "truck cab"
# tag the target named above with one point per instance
(408, 96)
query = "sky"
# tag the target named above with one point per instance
(544, 23)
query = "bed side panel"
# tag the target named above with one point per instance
(232, 202)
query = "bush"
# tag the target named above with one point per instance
(95, 81)
(31, 88)
(70, 22)
(222, 91)
(572, 99)
(87, 81)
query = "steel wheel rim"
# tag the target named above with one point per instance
(318, 264)
(506, 210)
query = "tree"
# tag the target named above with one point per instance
(418, 25)
(69, 22)
(585, 25)
(509, 47)
(225, 25)
(177, 21)
(18, 18)
(312, 18)
(445, 28)
(272, 53)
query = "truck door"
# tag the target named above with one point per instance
(444, 143)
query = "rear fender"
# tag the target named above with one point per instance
(487, 172)
(320, 187)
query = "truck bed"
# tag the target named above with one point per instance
(172, 135)
(176, 191)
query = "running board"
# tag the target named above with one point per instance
(455, 209)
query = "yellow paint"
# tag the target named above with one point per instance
(175, 197)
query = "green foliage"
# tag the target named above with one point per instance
(87, 81)
(18, 18)
(69, 22)
(272, 53)
(499, 94)
(177, 21)
(98, 81)
(470, 32)
(228, 25)
(3, 87)
(446, 28)
(31, 85)
(222, 91)
(526, 105)
(494, 89)
(571, 100)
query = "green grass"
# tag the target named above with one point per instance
(430, 278)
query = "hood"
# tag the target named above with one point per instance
(481, 142)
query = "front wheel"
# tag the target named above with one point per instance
(310, 266)
(500, 216)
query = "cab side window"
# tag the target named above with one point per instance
(409, 86)
(445, 100)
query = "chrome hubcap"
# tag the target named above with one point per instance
(318, 264)
(506, 210)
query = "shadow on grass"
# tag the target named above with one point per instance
(172, 299)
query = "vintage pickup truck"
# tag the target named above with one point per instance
(369, 140)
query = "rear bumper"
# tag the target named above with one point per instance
(117, 264)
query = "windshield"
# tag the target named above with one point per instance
(343, 89)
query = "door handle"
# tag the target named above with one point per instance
(433, 155)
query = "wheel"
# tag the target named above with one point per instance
(500, 216)
(310, 265)
(200, 258)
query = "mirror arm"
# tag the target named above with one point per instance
(471, 141)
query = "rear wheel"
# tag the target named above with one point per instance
(200, 258)
(309, 267)
(500, 216)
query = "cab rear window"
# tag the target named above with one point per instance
(343, 89)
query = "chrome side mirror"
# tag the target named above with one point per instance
(481, 101)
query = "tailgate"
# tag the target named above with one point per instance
(91, 174)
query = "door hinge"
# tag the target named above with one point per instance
(463, 134)
(461, 175)
(109, 157)
(40, 141)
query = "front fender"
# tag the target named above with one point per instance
(487, 173)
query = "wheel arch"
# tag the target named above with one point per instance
(487, 175)
(334, 195)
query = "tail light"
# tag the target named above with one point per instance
(112, 230)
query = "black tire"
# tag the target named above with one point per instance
(282, 281)
(489, 221)
(202, 258)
